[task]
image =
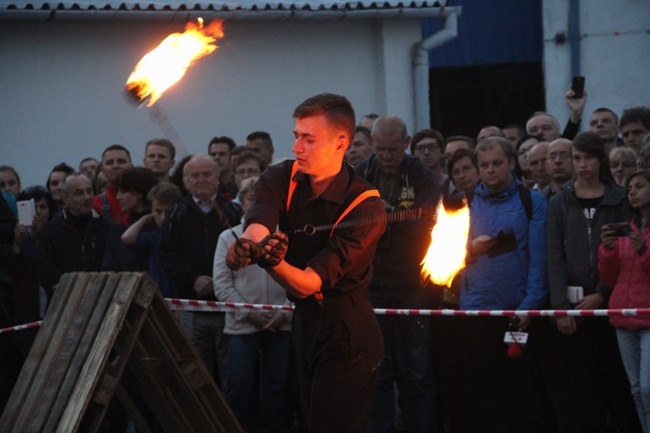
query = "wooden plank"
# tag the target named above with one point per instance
(99, 326)
(105, 289)
(100, 351)
(25, 419)
(192, 391)
(130, 405)
(154, 380)
(20, 394)
(122, 345)
(57, 391)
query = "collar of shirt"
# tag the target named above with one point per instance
(205, 205)
(335, 192)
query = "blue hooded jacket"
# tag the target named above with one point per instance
(515, 279)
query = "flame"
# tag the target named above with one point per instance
(446, 254)
(166, 64)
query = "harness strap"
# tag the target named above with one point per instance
(292, 184)
(361, 197)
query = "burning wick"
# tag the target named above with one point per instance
(446, 254)
(166, 64)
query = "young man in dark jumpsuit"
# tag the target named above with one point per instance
(337, 340)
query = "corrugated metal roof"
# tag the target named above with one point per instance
(219, 6)
(38, 10)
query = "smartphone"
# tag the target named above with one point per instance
(26, 212)
(620, 229)
(578, 87)
(506, 242)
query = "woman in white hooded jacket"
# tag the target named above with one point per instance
(256, 337)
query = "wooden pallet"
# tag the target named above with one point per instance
(109, 334)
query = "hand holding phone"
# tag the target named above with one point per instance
(26, 212)
(619, 229)
(505, 242)
(578, 87)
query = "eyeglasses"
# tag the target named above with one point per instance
(424, 146)
(558, 155)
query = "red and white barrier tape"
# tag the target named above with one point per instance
(510, 313)
(207, 306)
(196, 305)
(29, 325)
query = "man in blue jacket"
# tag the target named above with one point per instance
(506, 270)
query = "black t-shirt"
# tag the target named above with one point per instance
(589, 206)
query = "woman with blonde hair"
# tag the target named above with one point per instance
(622, 163)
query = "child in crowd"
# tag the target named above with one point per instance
(624, 263)
(144, 235)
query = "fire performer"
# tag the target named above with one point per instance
(337, 341)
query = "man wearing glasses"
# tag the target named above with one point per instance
(558, 165)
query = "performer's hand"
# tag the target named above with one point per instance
(242, 253)
(275, 247)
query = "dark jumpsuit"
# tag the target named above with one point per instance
(337, 342)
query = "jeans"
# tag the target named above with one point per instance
(635, 352)
(205, 333)
(272, 352)
(408, 361)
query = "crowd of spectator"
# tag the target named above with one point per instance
(545, 209)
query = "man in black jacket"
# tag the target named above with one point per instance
(75, 241)
(405, 183)
(188, 240)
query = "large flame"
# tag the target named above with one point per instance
(446, 254)
(166, 64)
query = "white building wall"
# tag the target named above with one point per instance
(61, 92)
(614, 50)
(399, 64)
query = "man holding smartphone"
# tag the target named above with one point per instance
(506, 270)
(547, 127)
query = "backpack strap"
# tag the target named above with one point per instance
(106, 207)
(526, 198)
(361, 197)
